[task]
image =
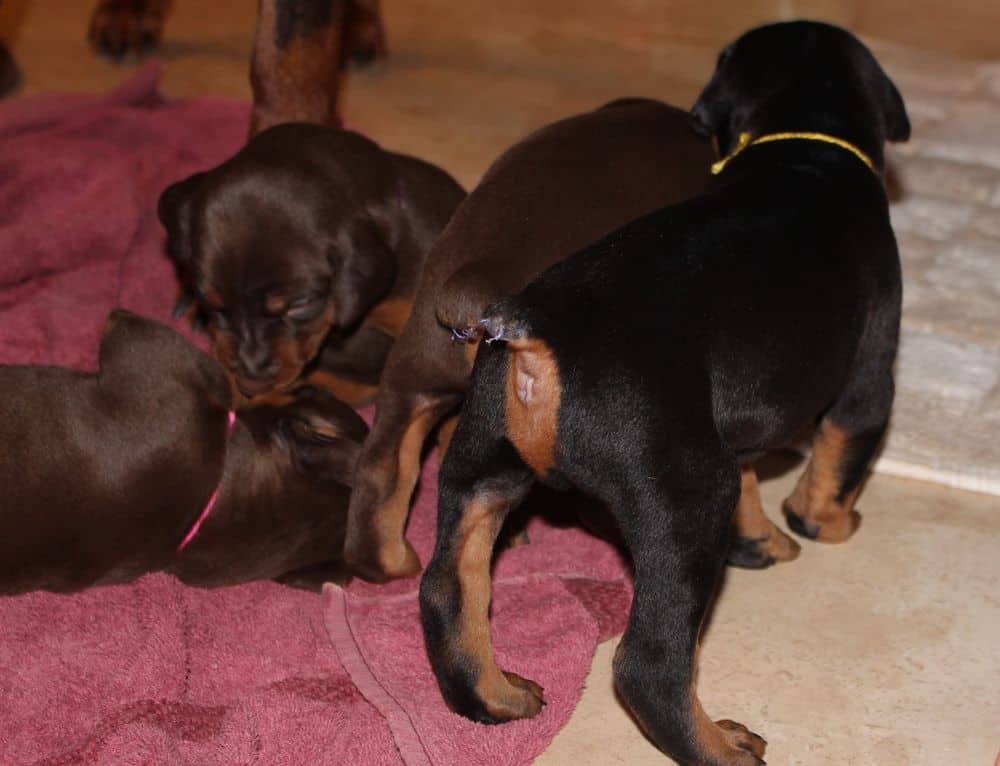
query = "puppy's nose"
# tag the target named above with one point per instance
(257, 362)
(251, 387)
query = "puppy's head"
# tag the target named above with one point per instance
(143, 358)
(800, 76)
(280, 245)
(321, 435)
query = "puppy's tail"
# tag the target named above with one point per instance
(504, 320)
(468, 295)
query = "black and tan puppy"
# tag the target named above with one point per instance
(305, 249)
(551, 193)
(105, 475)
(649, 367)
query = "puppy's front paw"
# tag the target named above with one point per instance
(518, 698)
(762, 552)
(835, 530)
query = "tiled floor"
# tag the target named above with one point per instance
(880, 652)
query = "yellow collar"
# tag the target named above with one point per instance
(744, 141)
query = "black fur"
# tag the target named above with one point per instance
(697, 337)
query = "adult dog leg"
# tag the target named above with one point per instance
(295, 70)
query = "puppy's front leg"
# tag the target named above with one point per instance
(481, 479)
(757, 542)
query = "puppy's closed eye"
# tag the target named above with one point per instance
(305, 309)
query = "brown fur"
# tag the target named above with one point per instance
(105, 473)
(304, 251)
(550, 194)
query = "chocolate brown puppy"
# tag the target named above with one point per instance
(305, 249)
(551, 193)
(647, 368)
(136, 468)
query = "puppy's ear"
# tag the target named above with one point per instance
(710, 113)
(364, 269)
(135, 350)
(897, 121)
(174, 212)
(324, 437)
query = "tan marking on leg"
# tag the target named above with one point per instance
(814, 499)
(394, 554)
(445, 432)
(390, 315)
(533, 397)
(506, 696)
(725, 741)
(722, 741)
(471, 349)
(752, 524)
(352, 392)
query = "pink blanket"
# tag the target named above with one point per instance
(158, 673)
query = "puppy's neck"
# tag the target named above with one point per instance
(746, 140)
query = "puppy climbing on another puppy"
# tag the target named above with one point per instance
(651, 368)
(304, 249)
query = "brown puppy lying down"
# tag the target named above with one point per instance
(550, 194)
(105, 474)
(304, 249)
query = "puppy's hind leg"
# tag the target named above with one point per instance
(416, 392)
(822, 505)
(482, 478)
(676, 523)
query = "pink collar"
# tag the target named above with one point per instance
(215, 494)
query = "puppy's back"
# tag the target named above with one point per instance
(558, 190)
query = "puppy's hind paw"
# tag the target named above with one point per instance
(521, 698)
(741, 738)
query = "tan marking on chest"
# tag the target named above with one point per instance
(532, 399)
